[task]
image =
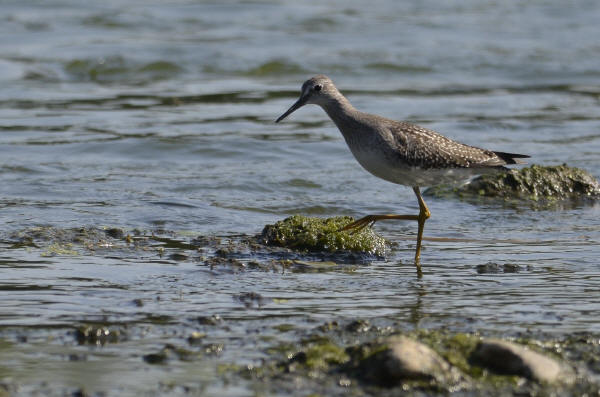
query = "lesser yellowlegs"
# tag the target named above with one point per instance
(400, 152)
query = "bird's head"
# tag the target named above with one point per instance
(318, 90)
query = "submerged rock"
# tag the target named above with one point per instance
(170, 352)
(509, 358)
(115, 232)
(535, 183)
(89, 334)
(317, 234)
(492, 267)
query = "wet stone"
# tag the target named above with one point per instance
(115, 233)
(358, 326)
(77, 357)
(138, 302)
(406, 359)
(492, 267)
(196, 338)
(329, 326)
(178, 257)
(98, 335)
(215, 319)
(251, 299)
(80, 393)
(170, 352)
(156, 358)
(213, 349)
(224, 252)
(509, 358)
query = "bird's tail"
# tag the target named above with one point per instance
(512, 158)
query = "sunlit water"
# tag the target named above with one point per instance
(161, 116)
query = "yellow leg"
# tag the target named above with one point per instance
(369, 220)
(424, 214)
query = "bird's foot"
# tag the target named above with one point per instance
(360, 224)
(370, 220)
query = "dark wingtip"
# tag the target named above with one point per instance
(512, 158)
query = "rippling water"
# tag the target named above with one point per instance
(160, 116)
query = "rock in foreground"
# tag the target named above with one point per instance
(366, 359)
(406, 359)
(317, 234)
(536, 183)
(512, 359)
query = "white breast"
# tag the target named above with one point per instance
(396, 172)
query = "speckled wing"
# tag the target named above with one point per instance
(424, 148)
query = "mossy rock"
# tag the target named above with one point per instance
(334, 355)
(320, 353)
(317, 235)
(535, 183)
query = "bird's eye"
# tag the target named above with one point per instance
(318, 87)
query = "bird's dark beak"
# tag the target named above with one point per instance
(299, 103)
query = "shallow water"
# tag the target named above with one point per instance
(160, 116)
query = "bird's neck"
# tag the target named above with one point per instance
(341, 111)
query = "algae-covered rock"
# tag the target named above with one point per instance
(536, 183)
(317, 234)
(426, 362)
(321, 353)
(317, 354)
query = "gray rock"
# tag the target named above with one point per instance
(512, 359)
(406, 359)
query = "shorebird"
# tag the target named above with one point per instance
(400, 152)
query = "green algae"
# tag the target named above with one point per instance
(322, 353)
(59, 250)
(317, 353)
(536, 184)
(317, 234)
